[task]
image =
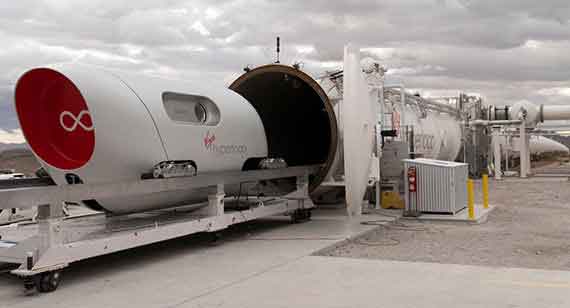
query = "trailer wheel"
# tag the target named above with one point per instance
(48, 281)
(29, 284)
(301, 215)
(216, 237)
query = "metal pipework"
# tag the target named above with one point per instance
(531, 113)
(494, 122)
(396, 92)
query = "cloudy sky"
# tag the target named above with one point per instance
(506, 50)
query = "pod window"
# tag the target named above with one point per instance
(192, 109)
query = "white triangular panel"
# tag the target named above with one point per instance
(359, 118)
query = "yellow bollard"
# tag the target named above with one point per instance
(470, 199)
(485, 191)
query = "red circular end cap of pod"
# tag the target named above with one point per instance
(55, 119)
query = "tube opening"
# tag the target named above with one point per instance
(298, 118)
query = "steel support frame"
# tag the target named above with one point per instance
(497, 153)
(50, 250)
(33, 196)
(9, 216)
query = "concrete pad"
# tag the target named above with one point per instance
(340, 282)
(533, 180)
(481, 214)
(267, 264)
(168, 273)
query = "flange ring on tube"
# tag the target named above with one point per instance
(297, 115)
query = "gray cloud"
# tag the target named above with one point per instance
(507, 50)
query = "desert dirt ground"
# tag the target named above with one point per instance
(530, 228)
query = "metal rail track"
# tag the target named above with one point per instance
(22, 183)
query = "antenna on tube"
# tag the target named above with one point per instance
(278, 50)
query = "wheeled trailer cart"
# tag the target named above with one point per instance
(38, 252)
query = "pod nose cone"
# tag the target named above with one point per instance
(55, 119)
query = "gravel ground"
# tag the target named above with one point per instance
(529, 228)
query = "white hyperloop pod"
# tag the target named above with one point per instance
(91, 126)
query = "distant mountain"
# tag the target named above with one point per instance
(18, 157)
(10, 146)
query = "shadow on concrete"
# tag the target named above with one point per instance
(136, 258)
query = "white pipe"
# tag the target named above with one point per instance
(523, 150)
(403, 111)
(527, 146)
(495, 122)
(554, 112)
(536, 114)
(378, 143)
(497, 154)
(428, 103)
(402, 104)
(507, 155)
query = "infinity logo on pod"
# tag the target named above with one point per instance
(55, 119)
(76, 121)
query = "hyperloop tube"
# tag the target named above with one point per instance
(297, 115)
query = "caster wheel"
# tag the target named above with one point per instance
(29, 284)
(301, 215)
(216, 238)
(295, 217)
(48, 282)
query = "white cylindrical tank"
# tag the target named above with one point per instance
(98, 127)
(555, 112)
(437, 135)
